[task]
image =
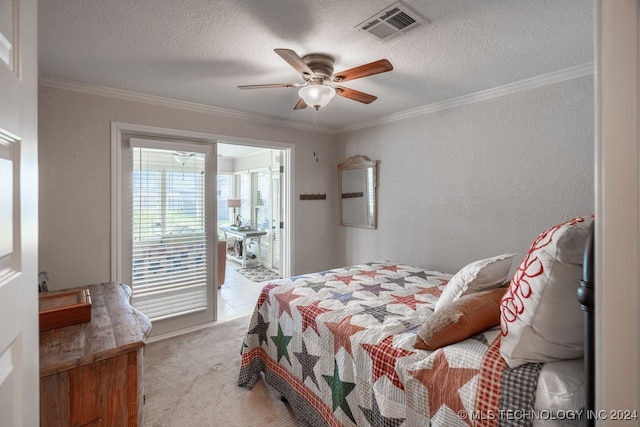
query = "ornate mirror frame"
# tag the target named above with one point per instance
(358, 189)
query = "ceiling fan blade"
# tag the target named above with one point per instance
(294, 60)
(376, 67)
(300, 105)
(356, 95)
(269, 85)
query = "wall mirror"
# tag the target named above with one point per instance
(357, 180)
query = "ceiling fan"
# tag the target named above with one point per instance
(317, 72)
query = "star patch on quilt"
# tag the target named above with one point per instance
(282, 341)
(440, 373)
(309, 314)
(284, 299)
(260, 329)
(375, 418)
(342, 332)
(308, 362)
(339, 391)
(383, 359)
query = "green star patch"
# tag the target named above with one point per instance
(282, 341)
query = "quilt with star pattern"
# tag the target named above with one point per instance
(338, 345)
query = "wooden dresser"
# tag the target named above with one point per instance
(91, 373)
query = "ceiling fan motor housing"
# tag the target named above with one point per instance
(321, 65)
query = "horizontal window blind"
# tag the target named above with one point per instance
(260, 182)
(169, 257)
(224, 193)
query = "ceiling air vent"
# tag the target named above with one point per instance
(391, 22)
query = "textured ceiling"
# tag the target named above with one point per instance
(201, 50)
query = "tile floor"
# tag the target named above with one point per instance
(238, 295)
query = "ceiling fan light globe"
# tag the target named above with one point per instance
(317, 96)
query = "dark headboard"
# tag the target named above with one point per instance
(586, 296)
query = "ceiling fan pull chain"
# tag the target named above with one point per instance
(315, 135)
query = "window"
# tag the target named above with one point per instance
(255, 196)
(245, 196)
(224, 193)
(170, 273)
(260, 183)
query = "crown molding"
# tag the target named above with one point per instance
(127, 95)
(485, 95)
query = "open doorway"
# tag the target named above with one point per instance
(251, 220)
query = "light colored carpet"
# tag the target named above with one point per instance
(192, 380)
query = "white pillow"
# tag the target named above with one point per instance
(540, 316)
(561, 386)
(478, 276)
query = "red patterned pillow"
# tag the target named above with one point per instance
(541, 319)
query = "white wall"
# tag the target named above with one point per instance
(454, 186)
(75, 177)
(225, 165)
(478, 180)
(255, 161)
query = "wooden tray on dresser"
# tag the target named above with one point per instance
(64, 308)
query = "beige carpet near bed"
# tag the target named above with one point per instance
(191, 380)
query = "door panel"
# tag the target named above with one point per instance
(19, 388)
(121, 186)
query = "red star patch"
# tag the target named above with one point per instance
(383, 358)
(309, 314)
(345, 279)
(441, 373)
(408, 300)
(434, 290)
(284, 300)
(264, 294)
(393, 268)
(370, 273)
(342, 332)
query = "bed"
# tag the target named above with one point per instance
(389, 344)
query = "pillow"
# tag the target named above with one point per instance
(478, 276)
(561, 386)
(541, 319)
(463, 318)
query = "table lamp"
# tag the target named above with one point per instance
(235, 203)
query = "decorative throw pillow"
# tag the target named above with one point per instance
(478, 276)
(541, 319)
(463, 318)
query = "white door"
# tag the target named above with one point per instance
(178, 187)
(19, 386)
(170, 251)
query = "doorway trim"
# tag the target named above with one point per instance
(118, 129)
(617, 226)
(288, 255)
